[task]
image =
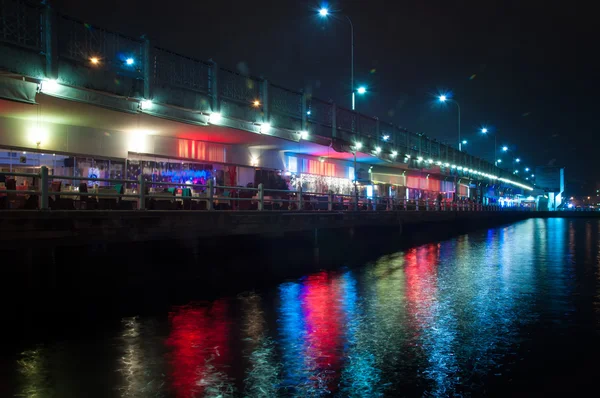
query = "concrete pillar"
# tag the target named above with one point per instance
(50, 42)
(214, 86)
(265, 101)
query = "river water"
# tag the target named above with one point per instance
(506, 311)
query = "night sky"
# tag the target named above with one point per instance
(512, 65)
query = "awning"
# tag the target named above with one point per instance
(17, 90)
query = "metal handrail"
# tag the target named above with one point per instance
(299, 197)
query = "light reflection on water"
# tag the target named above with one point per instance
(440, 319)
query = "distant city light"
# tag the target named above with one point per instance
(361, 90)
(443, 98)
(419, 159)
(464, 142)
(95, 60)
(526, 168)
(517, 160)
(308, 112)
(394, 153)
(505, 148)
(323, 12)
(377, 149)
(499, 160)
(256, 103)
(386, 137)
(533, 175)
(129, 61)
(358, 145)
(484, 130)
(304, 135)
(429, 160)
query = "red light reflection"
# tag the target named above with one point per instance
(199, 347)
(321, 298)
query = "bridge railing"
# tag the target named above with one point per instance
(48, 193)
(84, 56)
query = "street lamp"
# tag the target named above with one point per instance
(361, 90)
(324, 13)
(444, 98)
(485, 131)
(464, 142)
(505, 148)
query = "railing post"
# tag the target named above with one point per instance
(44, 188)
(426, 205)
(299, 198)
(355, 199)
(417, 205)
(142, 193)
(261, 197)
(211, 194)
(330, 202)
(405, 203)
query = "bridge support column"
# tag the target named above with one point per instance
(214, 86)
(50, 42)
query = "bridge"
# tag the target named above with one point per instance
(96, 107)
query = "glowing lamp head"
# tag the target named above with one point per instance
(358, 145)
(517, 160)
(95, 60)
(499, 160)
(526, 168)
(377, 149)
(308, 112)
(304, 135)
(533, 175)
(394, 154)
(265, 128)
(464, 142)
(361, 90)
(129, 61)
(323, 12)
(484, 130)
(49, 86)
(385, 137)
(443, 98)
(145, 104)
(256, 103)
(214, 118)
(505, 148)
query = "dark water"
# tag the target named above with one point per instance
(507, 311)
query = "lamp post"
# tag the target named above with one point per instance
(324, 13)
(485, 131)
(444, 98)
